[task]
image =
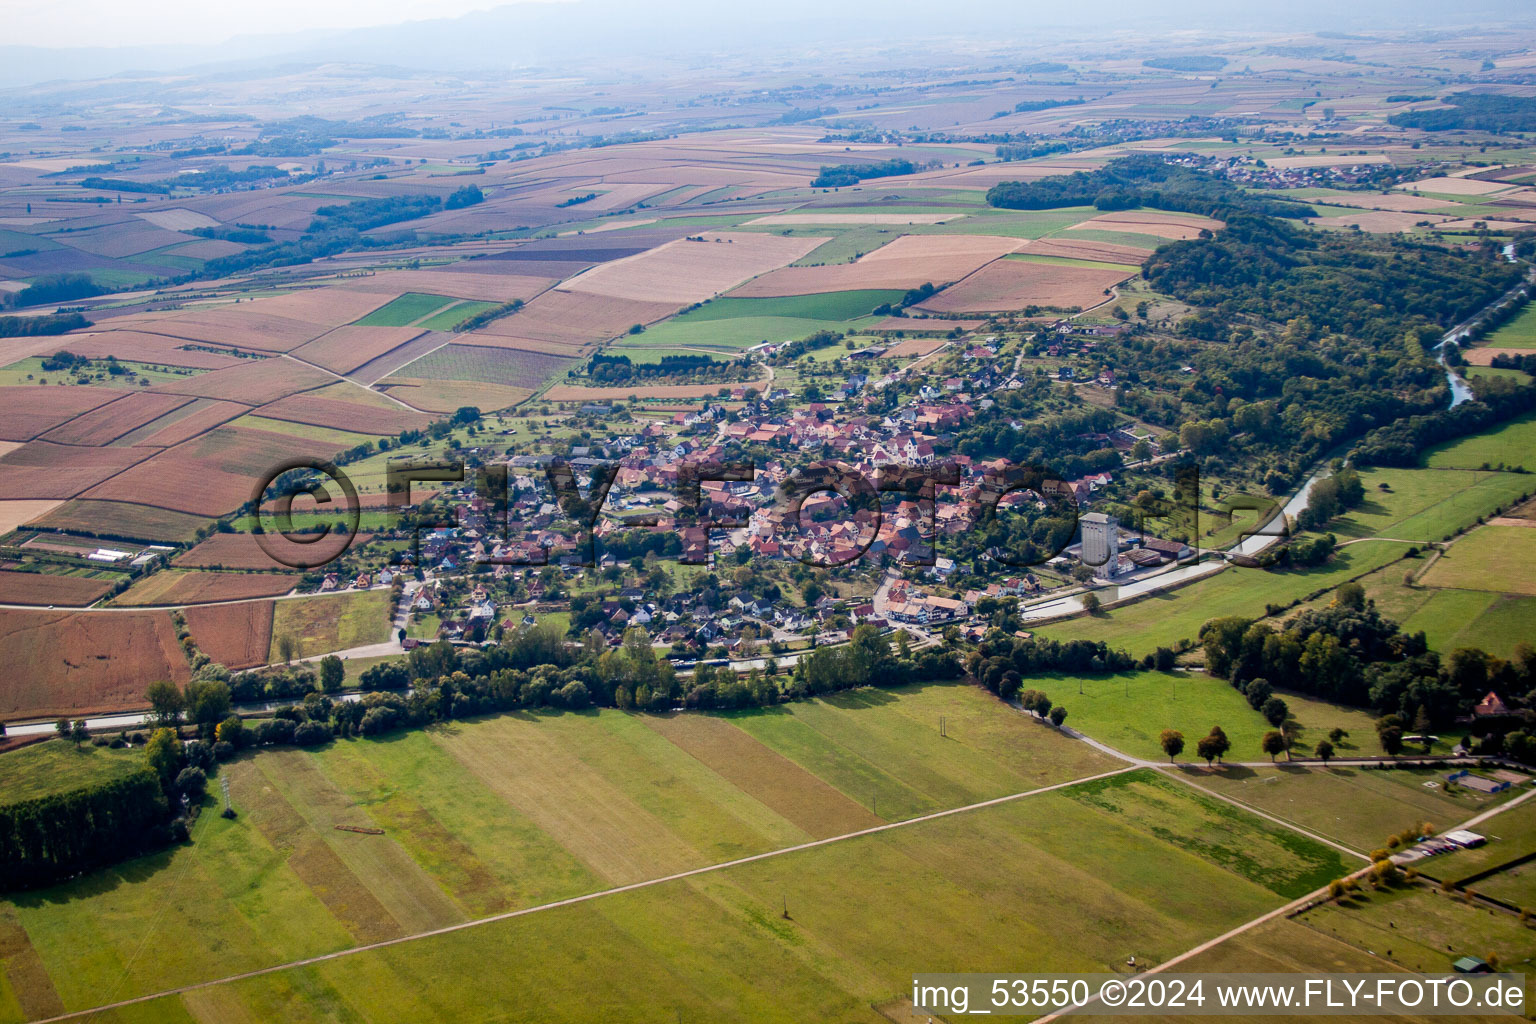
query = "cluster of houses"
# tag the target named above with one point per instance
(526, 533)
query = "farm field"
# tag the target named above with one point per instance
(448, 396)
(334, 622)
(1424, 930)
(450, 317)
(1010, 284)
(344, 349)
(50, 589)
(1510, 445)
(824, 306)
(237, 636)
(59, 767)
(440, 861)
(124, 519)
(73, 663)
(730, 337)
(405, 310)
(1497, 624)
(1357, 807)
(1500, 559)
(1518, 333)
(513, 367)
(173, 587)
(1427, 504)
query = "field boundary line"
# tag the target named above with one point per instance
(1276, 819)
(574, 900)
(1294, 905)
(346, 379)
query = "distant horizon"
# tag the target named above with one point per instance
(96, 24)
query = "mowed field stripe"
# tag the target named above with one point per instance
(25, 976)
(586, 813)
(316, 865)
(704, 808)
(576, 900)
(764, 774)
(492, 843)
(411, 896)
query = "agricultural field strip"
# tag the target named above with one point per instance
(102, 609)
(587, 897)
(349, 380)
(1289, 908)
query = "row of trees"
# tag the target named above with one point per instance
(1349, 653)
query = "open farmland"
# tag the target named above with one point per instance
(237, 636)
(145, 347)
(243, 551)
(173, 587)
(1105, 898)
(1494, 558)
(1496, 623)
(687, 271)
(908, 261)
(16, 511)
(344, 349)
(352, 409)
(255, 382)
(1509, 445)
(185, 423)
(1013, 284)
(107, 423)
(406, 310)
(210, 475)
(485, 365)
(71, 663)
(1148, 222)
(568, 322)
(48, 589)
(122, 519)
(328, 307)
(448, 396)
(44, 470)
(28, 411)
(729, 337)
(498, 287)
(1079, 249)
(1519, 333)
(242, 328)
(482, 817)
(332, 622)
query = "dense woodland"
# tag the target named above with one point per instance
(1481, 111)
(1140, 180)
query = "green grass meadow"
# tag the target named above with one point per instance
(1518, 333)
(1510, 445)
(1168, 868)
(487, 816)
(1130, 711)
(406, 310)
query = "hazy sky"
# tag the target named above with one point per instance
(114, 23)
(91, 23)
